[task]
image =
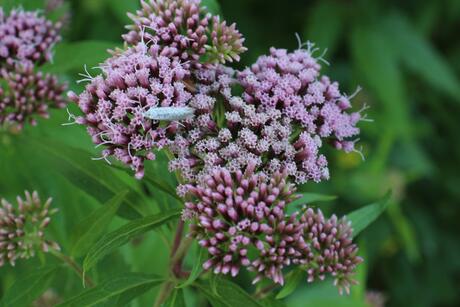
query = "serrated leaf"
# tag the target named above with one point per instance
(213, 6)
(176, 299)
(363, 217)
(197, 268)
(75, 55)
(113, 287)
(124, 234)
(27, 289)
(91, 229)
(420, 56)
(292, 281)
(94, 178)
(229, 294)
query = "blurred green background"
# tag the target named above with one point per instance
(404, 54)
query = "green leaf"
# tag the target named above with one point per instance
(197, 268)
(26, 4)
(363, 217)
(325, 34)
(420, 56)
(124, 234)
(113, 287)
(70, 57)
(405, 231)
(121, 7)
(229, 294)
(176, 299)
(25, 290)
(153, 180)
(292, 281)
(272, 302)
(94, 178)
(378, 65)
(91, 229)
(308, 198)
(323, 294)
(126, 297)
(213, 6)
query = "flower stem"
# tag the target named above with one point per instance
(263, 291)
(178, 251)
(164, 293)
(177, 237)
(74, 266)
(177, 259)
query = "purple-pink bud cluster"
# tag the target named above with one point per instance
(184, 30)
(238, 154)
(27, 36)
(26, 93)
(22, 228)
(240, 218)
(26, 41)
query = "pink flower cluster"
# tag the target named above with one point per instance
(26, 41)
(240, 218)
(27, 36)
(240, 155)
(291, 83)
(26, 93)
(22, 228)
(153, 72)
(184, 29)
(285, 115)
(114, 104)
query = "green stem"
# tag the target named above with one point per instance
(74, 266)
(178, 251)
(263, 291)
(178, 257)
(165, 291)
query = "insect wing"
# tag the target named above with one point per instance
(169, 113)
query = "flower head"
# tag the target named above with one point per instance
(225, 43)
(26, 93)
(327, 249)
(236, 133)
(22, 228)
(241, 219)
(114, 104)
(27, 36)
(291, 83)
(184, 30)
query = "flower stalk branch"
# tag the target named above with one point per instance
(74, 266)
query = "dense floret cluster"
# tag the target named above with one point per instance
(26, 41)
(114, 104)
(25, 94)
(184, 30)
(22, 228)
(240, 140)
(240, 218)
(291, 83)
(27, 36)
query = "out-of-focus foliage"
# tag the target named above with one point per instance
(405, 55)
